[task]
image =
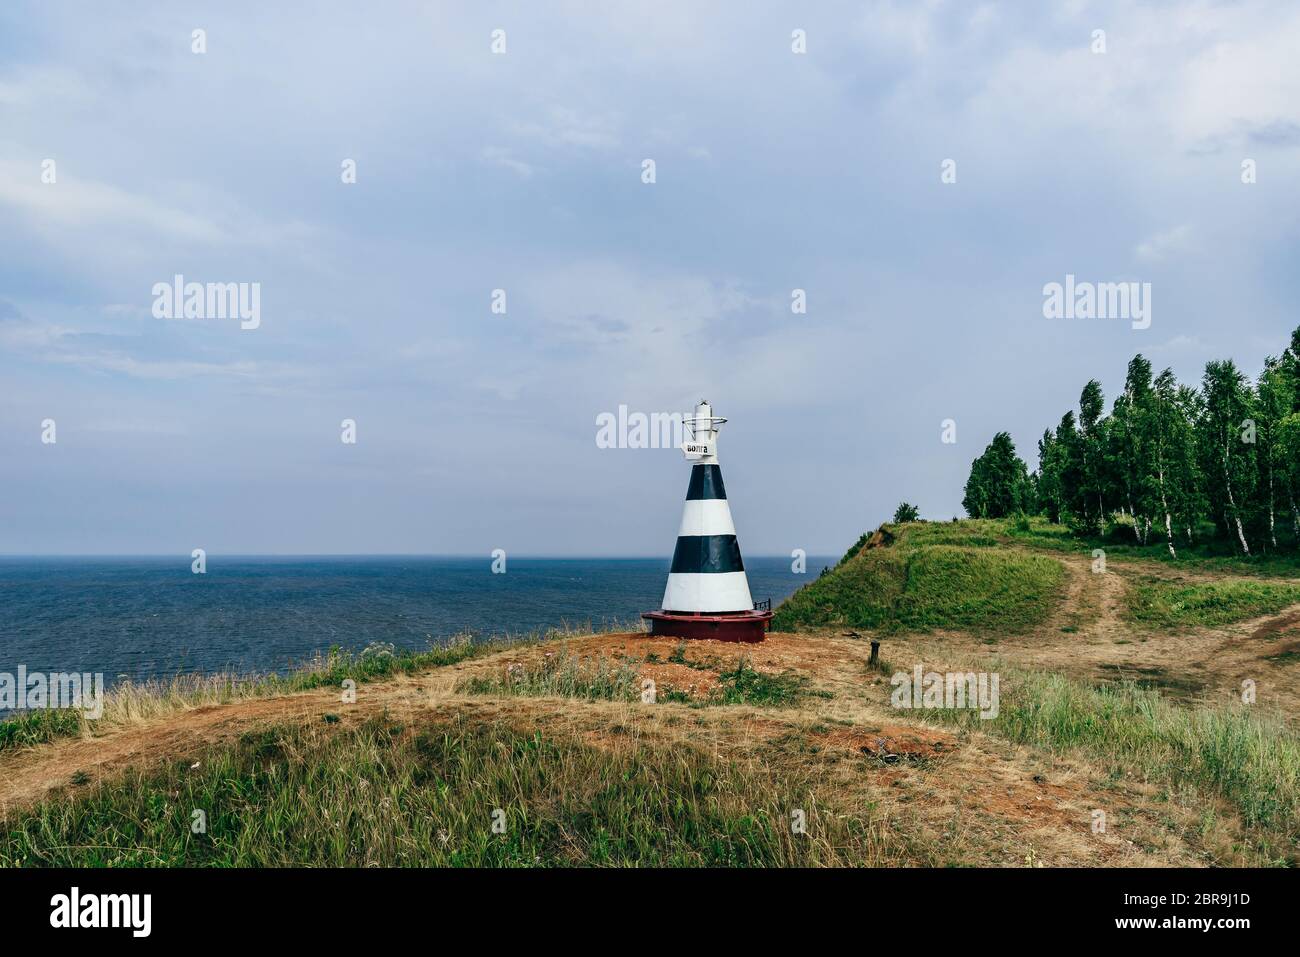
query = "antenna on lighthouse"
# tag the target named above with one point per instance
(702, 443)
(708, 593)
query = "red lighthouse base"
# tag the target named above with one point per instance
(721, 626)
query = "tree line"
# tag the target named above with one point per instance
(1174, 461)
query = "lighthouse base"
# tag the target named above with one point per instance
(721, 626)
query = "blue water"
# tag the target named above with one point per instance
(152, 617)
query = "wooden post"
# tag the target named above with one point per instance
(875, 652)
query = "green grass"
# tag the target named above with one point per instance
(130, 701)
(966, 588)
(383, 794)
(1250, 761)
(1164, 603)
(744, 685)
(971, 532)
(924, 582)
(567, 676)
(1038, 532)
(37, 727)
(564, 675)
(861, 593)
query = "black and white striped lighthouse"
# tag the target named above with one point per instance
(707, 594)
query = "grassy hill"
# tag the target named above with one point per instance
(923, 577)
(1121, 691)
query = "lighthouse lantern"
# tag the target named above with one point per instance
(708, 593)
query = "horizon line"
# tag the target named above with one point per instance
(466, 555)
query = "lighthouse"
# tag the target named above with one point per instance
(707, 594)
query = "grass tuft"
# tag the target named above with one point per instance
(561, 674)
(744, 685)
(565, 675)
(37, 727)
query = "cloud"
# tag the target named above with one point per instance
(1276, 133)
(602, 303)
(816, 171)
(137, 356)
(563, 126)
(1184, 344)
(136, 426)
(81, 203)
(501, 158)
(1165, 245)
(1238, 78)
(37, 87)
(128, 365)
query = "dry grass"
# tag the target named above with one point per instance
(134, 703)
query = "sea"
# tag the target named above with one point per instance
(140, 618)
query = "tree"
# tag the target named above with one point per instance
(999, 481)
(1050, 498)
(1274, 394)
(1130, 432)
(1288, 431)
(1227, 444)
(1290, 364)
(1168, 455)
(1288, 446)
(1092, 503)
(906, 513)
(1169, 477)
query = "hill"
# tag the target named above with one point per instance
(1120, 693)
(923, 576)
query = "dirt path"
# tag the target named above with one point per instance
(1090, 638)
(1091, 612)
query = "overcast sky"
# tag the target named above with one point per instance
(522, 171)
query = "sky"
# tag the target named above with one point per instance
(522, 168)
